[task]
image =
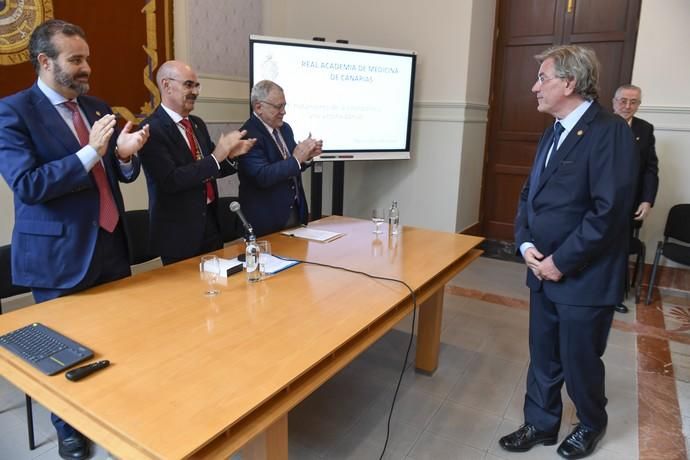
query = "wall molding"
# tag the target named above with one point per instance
(450, 112)
(667, 117)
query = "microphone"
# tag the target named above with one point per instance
(235, 207)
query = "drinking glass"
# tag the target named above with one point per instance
(210, 269)
(264, 254)
(378, 218)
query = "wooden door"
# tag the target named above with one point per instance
(524, 29)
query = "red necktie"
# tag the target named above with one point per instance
(196, 154)
(108, 215)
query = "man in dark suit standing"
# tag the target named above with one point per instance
(181, 165)
(271, 191)
(60, 157)
(572, 212)
(625, 103)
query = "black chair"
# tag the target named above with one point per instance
(137, 228)
(7, 289)
(637, 247)
(677, 229)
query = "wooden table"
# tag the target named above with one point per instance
(198, 377)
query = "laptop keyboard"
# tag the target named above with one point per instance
(34, 343)
(45, 348)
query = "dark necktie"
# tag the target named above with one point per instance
(196, 154)
(108, 214)
(281, 145)
(557, 131)
(284, 152)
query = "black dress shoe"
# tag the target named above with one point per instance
(580, 443)
(75, 447)
(620, 308)
(526, 437)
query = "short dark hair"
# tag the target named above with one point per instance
(42, 39)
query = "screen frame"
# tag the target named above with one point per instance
(355, 154)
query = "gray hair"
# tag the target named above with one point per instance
(628, 86)
(261, 89)
(573, 62)
(41, 40)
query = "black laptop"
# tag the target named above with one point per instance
(44, 348)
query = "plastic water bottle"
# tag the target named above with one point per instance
(394, 219)
(251, 259)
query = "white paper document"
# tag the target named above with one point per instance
(323, 236)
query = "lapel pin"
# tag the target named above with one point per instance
(580, 133)
(637, 138)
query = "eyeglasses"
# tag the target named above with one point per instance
(626, 101)
(189, 84)
(278, 107)
(541, 78)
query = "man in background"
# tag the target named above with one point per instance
(625, 103)
(271, 191)
(181, 165)
(62, 158)
(573, 209)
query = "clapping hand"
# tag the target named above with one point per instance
(129, 143)
(100, 133)
(308, 149)
(232, 145)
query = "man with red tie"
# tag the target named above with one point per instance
(181, 165)
(63, 159)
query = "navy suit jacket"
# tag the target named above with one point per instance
(648, 182)
(269, 183)
(55, 199)
(579, 210)
(176, 185)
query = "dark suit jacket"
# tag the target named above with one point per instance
(267, 181)
(579, 210)
(648, 181)
(176, 185)
(55, 199)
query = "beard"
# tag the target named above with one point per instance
(68, 81)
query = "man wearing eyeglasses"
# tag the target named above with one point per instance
(625, 103)
(271, 189)
(572, 211)
(182, 164)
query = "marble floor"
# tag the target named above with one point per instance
(476, 394)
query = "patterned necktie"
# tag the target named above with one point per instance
(108, 214)
(196, 154)
(557, 131)
(284, 152)
(281, 145)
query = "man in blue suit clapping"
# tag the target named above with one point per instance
(62, 157)
(271, 189)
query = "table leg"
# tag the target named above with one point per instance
(272, 444)
(429, 333)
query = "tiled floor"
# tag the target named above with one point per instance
(476, 395)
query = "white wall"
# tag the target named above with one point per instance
(661, 69)
(450, 100)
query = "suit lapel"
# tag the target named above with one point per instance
(175, 134)
(274, 152)
(573, 138)
(53, 122)
(635, 126)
